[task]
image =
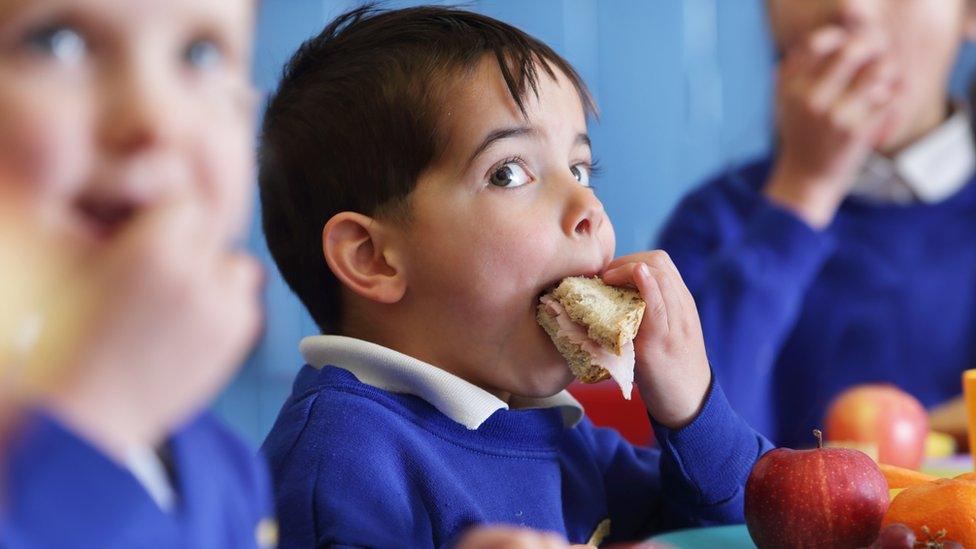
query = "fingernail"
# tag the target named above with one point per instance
(644, 270)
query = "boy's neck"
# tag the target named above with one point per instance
(397, 340)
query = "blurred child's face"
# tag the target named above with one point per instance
(504, 214)
(922, 38)
(110, 106)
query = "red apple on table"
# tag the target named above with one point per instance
(825, 497)
(883, 415)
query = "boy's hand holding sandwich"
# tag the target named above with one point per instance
(672, 371)
(605, 332)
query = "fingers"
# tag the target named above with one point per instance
(840, 71)
(687, 300)
(813, 51)
(868, 99)
(617, 262)
(620, 272)
(825, 41)
(833, 67)
(670, 289)
(639, 257)
(656, 312)
(659, 283)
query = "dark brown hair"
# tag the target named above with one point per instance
(355, 122)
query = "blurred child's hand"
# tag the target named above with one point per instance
(507, 537)
(172, 315)
(833, 106)
(672, 372)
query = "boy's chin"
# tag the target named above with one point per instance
(546, 381)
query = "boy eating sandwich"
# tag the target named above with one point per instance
(424, 181)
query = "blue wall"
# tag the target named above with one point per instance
(684, 89)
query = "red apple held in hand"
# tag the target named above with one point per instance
(882, 415)
(825, 497)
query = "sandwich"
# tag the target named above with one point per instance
(593, 326)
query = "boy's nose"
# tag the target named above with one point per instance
(135, 113)
(584, 214)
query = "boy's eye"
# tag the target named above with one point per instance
(203, 54)
(510, 174)
(60, 42)
(582, 174)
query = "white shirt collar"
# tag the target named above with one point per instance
(396, 372)
(145, 464)
(930, 170)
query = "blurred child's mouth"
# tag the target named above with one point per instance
(105, 217)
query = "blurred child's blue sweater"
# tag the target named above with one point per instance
(62, 492)
(792, 316)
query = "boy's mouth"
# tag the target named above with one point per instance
(106, 216)
(551, 285)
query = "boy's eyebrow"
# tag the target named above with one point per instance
(497, 135)
(505, 133)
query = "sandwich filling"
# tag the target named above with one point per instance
(621, 367)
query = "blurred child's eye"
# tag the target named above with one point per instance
(510, 174)
(60, 42)
(203, 54)
(581, 172)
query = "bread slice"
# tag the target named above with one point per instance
(580, 361)
(610, 315)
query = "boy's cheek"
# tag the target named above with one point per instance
(226, 177)
(608, 239)
(43, 150)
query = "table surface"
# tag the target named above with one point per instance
(737, 536)
(726, 537)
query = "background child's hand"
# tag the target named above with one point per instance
(172, 314)
(834, 100)
(507, 537)
(672, 371)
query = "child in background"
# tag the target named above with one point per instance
(849, 255)
(424, 179)
(126, 136)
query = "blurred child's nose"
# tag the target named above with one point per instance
(137, 110)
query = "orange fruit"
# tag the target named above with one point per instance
(948, 504)
(899, 477)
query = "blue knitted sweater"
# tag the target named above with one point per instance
(793, 316)
(354, 465)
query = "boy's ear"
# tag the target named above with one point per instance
(362, 258)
